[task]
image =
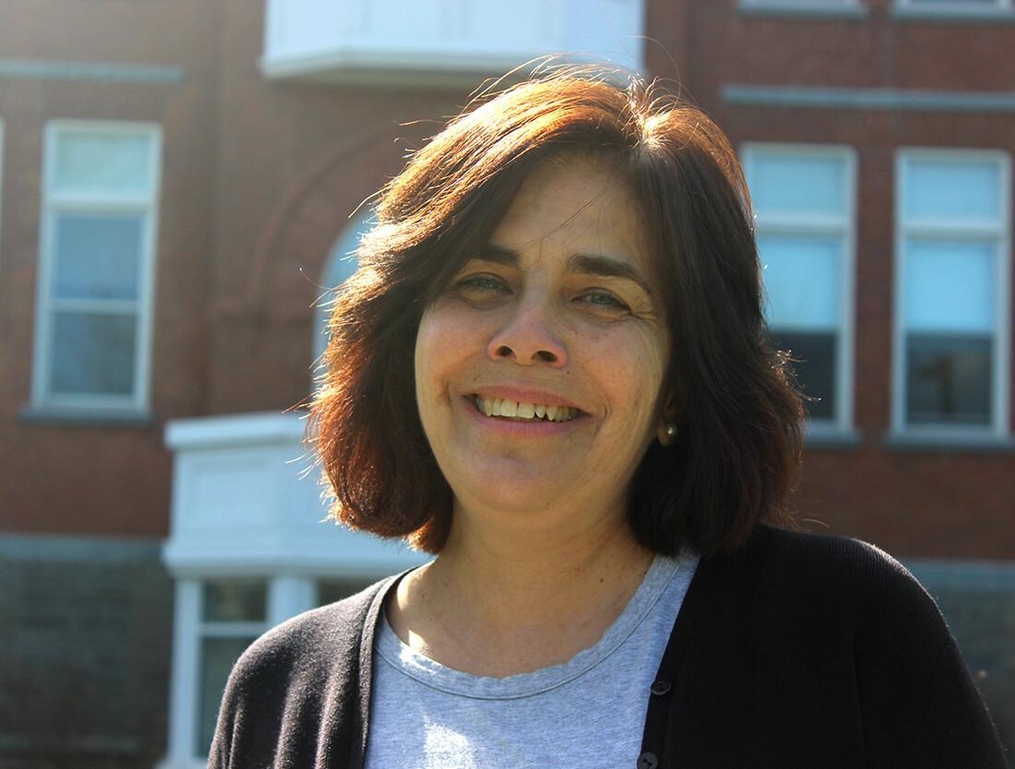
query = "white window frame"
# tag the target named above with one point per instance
(844, 227)
(1000, 233)
(145, 203)
(286, 596)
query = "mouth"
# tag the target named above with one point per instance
(534, 412)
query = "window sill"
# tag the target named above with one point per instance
(816, 9)
(950, 441)
(826, 436)
(953, 14)
(97, 417)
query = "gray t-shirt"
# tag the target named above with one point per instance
(585, 714)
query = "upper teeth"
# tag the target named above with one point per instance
(499, 407)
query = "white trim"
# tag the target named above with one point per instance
(811, 8)
(843, 226)
(29, 69)
(289, 596)
(265, 427)
(145, 203)
(957, 9)
(998, 232)
(183, 688)
(894, 99)
(957, 4)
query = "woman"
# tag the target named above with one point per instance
(551, 370)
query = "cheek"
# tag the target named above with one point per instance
(643, 366)
(423, 359)
(441, 345)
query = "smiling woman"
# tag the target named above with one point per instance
(735, 414)
(557, 315)
(551, 370)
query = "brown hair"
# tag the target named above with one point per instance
(738, 446)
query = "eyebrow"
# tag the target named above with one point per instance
(583, 264)
(607, 267)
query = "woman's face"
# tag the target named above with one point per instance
(539, 369)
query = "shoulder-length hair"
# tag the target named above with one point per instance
(738, 443)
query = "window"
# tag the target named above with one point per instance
(338, 268)
(803, 201)
(951, 342)
(331, 590)
(233, 614)
(216, 619)
(96, 267)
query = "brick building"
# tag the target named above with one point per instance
(180, 179)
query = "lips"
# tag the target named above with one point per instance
(509, 409)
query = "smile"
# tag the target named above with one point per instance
(499, 407)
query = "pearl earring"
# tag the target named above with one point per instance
(667, 434)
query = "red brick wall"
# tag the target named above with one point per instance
(913, 503)
(259, 177)
(94, 478)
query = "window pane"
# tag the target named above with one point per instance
(218, 655)
(97, 257)
(92, 353)
(950, 286)
(814, 358)
(331, 590)
(234, 600)
(802, 280)
(341, 264)
(949, 379)
(789, 183)
(99, 162)
(969, 189)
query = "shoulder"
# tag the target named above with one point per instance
(830, 562)
(854, 584)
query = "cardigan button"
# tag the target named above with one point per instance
(648, 760)
(661, 687)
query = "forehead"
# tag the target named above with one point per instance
(576, 203)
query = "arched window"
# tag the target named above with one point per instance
(340, 265)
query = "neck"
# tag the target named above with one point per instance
(497, 605)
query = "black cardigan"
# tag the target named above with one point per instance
(800, 651)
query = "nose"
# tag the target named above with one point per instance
(528, 337)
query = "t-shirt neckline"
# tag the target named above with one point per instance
(393, 651)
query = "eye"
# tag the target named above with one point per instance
(604, 301)
(482, 282)
(481, 286)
